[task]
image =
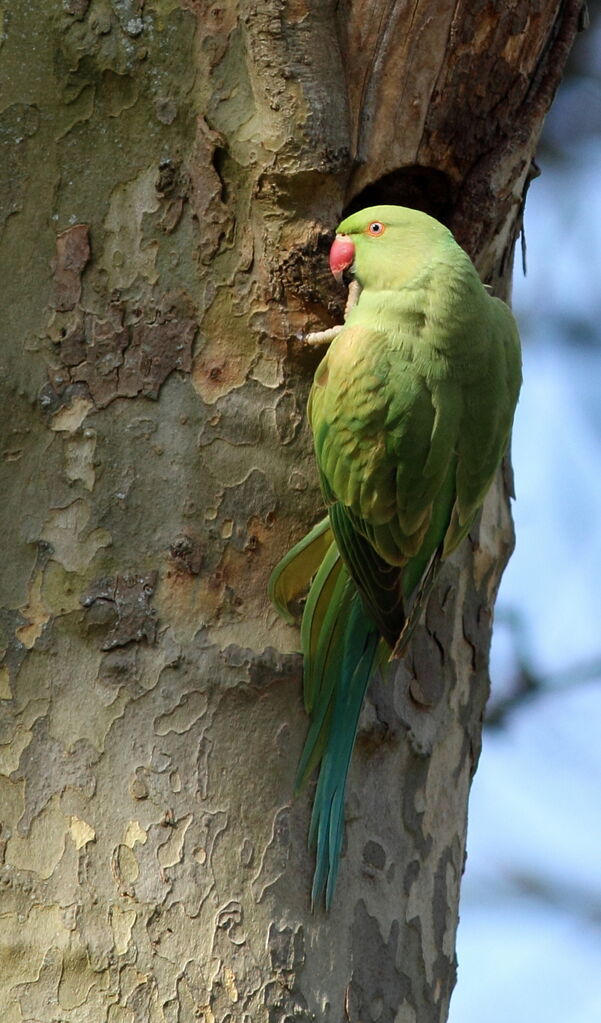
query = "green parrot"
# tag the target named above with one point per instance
(411, 410)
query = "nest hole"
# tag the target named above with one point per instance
(421, 188)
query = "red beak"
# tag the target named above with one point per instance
(342, 255)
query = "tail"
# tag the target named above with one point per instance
(353, 644)
(340, 647)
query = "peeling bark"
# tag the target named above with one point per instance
(176, 169)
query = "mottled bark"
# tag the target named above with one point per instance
(175, 170)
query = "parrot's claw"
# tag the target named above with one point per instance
(354, 290)
(322, 337)
(325, 337)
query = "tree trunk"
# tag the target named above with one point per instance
(176, 170)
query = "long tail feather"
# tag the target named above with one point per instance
(327, 819)
(319, 622)
(291, 577)
(324, 674)
(338, 677)
(340, 647)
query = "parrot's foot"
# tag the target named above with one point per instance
(322, 337)
(325, 337)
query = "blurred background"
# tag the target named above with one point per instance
(529, 944)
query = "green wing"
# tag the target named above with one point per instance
(385, 439)
(487, 414)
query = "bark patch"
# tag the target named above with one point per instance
(377, 986)
(123, 602)
(72, 255)
(117, 358)
(62, 768)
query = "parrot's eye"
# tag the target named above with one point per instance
(376, 227)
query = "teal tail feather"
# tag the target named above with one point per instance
(340, 648)
(355, 659)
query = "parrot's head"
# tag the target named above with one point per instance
(384, 246)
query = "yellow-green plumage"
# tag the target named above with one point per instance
(411, 410)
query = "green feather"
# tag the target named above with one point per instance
(327, 820)
(324, 673)
(290, 578)
(321, 605)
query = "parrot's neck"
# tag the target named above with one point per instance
(441, 292)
